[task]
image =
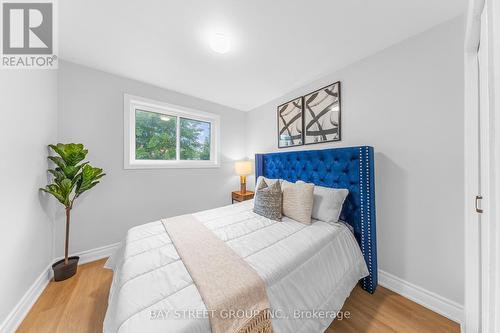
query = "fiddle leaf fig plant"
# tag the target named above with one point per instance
(72, 177)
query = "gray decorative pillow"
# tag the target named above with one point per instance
(267, 200)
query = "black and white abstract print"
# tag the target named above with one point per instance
(290, 123)
(322, 115)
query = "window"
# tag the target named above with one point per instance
(160, 135)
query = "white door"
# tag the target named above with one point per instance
(484, 191)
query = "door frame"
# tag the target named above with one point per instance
(482, 232)
(472, 306)
(494, 31)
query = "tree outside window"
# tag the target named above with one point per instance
(156, 137)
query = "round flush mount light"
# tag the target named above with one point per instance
(220, 43)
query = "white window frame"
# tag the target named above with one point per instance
(132, 103)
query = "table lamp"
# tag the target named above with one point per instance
(243, 169)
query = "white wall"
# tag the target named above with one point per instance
(28, 108)
(91, 112)
(407, 102)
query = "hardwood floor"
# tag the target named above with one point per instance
(78, 305)
(386, 311)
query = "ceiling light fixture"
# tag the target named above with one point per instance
(220, 43)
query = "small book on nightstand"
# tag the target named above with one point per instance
(241, 196)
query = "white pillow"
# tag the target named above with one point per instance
(328, 203)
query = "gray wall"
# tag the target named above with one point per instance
(407, 102)
(91, 112)
(29, 110)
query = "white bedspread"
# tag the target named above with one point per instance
(305, 268)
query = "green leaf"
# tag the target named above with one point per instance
(89, 177)
(58, 175)
(58, 161)
(71, 153)
(92, 185)
(57, 192)
(66, 187)
(71, 171)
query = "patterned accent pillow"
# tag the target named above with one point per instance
(298, 201)
(267, 200)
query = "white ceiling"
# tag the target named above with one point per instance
(277, 45)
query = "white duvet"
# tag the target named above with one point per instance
(309, 271)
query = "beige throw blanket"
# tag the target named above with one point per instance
(233, 292)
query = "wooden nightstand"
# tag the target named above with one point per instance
(238, 196)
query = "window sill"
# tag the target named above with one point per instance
(170, 165)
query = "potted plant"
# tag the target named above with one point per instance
(72, 177)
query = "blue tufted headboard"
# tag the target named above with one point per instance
(350, 168)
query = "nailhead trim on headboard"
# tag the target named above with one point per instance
(351, 168)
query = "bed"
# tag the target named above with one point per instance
(306, 268)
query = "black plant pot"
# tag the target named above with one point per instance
(62, 271)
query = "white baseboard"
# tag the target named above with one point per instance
(17, 315)
(428, 299)
(97, 253)
(94, 254)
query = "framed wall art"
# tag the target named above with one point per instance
(290, 123)
(322, 115)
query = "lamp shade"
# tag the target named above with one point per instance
(243, 168)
